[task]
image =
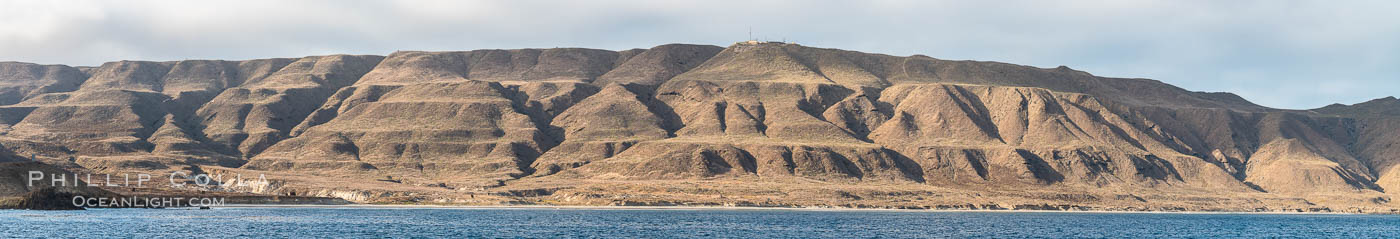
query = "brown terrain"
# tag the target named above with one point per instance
(754, 124)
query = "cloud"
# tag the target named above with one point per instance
(1287, 54)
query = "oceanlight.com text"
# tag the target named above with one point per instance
(146, 202)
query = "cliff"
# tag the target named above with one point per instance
(750, 124)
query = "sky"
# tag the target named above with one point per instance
(1279, 53)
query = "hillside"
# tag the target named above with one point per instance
(766, 124)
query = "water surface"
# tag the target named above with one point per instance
(680, 223)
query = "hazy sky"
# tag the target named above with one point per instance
(1285, 54)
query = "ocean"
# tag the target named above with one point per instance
(408, 222)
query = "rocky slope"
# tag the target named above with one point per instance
(17, 192)
(750, 124)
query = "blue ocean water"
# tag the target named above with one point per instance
(674, 223)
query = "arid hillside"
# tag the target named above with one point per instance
(757, 124)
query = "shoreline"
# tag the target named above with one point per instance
(741, 208)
